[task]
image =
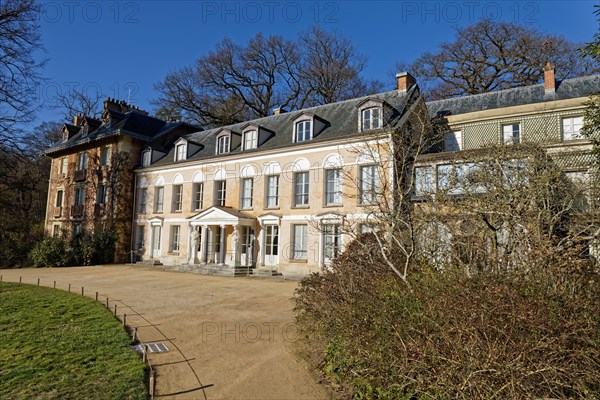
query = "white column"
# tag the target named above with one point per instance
(222, 252)
(203, 244)
(236, 244)
(261, 246)
(192, 244)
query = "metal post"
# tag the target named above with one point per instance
(82, 290)
(69, 287)
(20, 279)
(115, 310)
(124, 319)
(107, 302)
(54, 286)
(152, 380)
(96, 296)
(38, 281)
(144, 353)
(134, 334)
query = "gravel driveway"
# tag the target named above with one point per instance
(232, 336)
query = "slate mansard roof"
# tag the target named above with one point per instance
(566, 89)
(341, 120)
(132, 123)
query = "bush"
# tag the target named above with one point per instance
(451, 335)
(50, 252)
(93, 249)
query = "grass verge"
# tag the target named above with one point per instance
(55, 344)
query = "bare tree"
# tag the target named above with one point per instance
(331, 67)
(235, 83)
(19, 69)
(78, 101)
(491, 55)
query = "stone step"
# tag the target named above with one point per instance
(267, 272)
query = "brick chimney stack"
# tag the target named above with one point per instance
(549, 80)
(405, 81)
(279, 110)
(78, 119)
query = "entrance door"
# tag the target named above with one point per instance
(247, 246)
(332, 241)
(156, 232)
(271, 245)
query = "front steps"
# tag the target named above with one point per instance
(215, 269)
(218, 269)
(267, 272)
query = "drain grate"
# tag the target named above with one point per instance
(151, 348)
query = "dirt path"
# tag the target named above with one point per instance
(236, 333)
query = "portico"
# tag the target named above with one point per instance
(223, 236)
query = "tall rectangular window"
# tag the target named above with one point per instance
(142, 200)
(424, 183)
(180, 152)
(104, 155)
(333, 187)
(453, 141)
(59, 198)
(250, 140)
(368, 185)
(272, 199)
(198, 196)
(571, 128)
(299, 239)
(158, 199)
(177, 198)
(101, 194)
(511, 133)
(220, 193)
(146, 158)
(79, 196)
(303, 131)
(56, 231)
(175, 232)
(62, 169)
(82, 159)
(301, 189)
(141, 237)
(371, 118)
(223, 144)
(246, 193)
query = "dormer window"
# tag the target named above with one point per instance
(146, 158)
(223, 144)
(250, 140)
(371, 118)
(303, 131)
(180, 151)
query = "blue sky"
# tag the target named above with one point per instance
(122, 48)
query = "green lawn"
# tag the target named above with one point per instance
(55, 344)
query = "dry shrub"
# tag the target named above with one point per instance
(528, 334)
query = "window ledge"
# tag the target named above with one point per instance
(298, 261)
(301, 207)
(270, 208)
(333, 205)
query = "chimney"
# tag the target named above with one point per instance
(549, 80)
(78, 119)
(279, 110)
(405, 81)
